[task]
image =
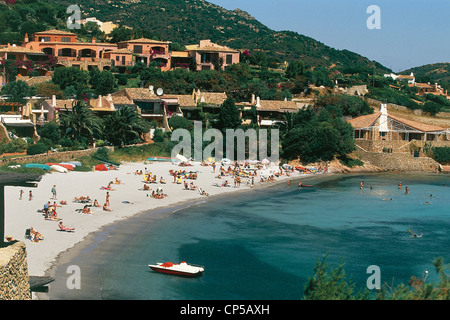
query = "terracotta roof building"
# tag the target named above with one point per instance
(208, 55)
(383, 126)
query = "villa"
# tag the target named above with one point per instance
(148, 51)
(208, 55)
(70, 52)
(46, 50)
(381, 126)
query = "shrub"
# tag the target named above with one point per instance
(38, 148)
(177, 122)
(442, 154)
(432, 107)
(68, 143)
(102, 153)
(51, 131)
(17, 145)
(158, 135)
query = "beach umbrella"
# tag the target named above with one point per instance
(182, 158)
(265, 161)
(226, 161)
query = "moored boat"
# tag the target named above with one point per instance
(181, 269)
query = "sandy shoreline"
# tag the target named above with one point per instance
(23, 214)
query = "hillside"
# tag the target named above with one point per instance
(188, 21)
(437, 72)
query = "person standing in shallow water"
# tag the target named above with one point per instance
(406, 190)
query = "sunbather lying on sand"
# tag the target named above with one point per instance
(86, 210)
(82, 199)
(35, 236)
(64, 228)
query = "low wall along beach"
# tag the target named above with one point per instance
(14, 280)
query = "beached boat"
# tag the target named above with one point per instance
(59, 168)
(37, 165)
(67, 166)
(72, 163)
(182, 269)
(161, 159)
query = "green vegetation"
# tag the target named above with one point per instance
(188, 22)
(125, 126)
(441, 154)
(316, 135)
(331, 285)
(346, 105)
(39, 147)
(334, 284)
(17, 145)
(17, 90)
(350, 162)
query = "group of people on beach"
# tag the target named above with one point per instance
(158, 194)
(30, 195)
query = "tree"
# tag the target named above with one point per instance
(50, 130)
(80, 122)
(49, 89)
(18, 90)
(294, 69)
(331, 285)
(177, 122)
(349, 105)
(316, 137)
(228, 117)
(70, 76)
(125, 126)
(432, 107)
(120, 34)
(106, 83)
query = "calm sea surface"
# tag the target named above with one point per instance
(264, 244)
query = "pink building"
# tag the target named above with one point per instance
(148, 50)
(208, 55)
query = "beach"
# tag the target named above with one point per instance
(127, 199)
(273, 229)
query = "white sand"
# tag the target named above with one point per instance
(23, 214)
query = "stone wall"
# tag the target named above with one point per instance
(399, 146)
(398, 161)
(60, 156)
(14, 280)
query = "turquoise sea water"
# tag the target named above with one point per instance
(265, 243)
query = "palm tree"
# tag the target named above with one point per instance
(288, 123)
(81, 122)
(124, 126)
